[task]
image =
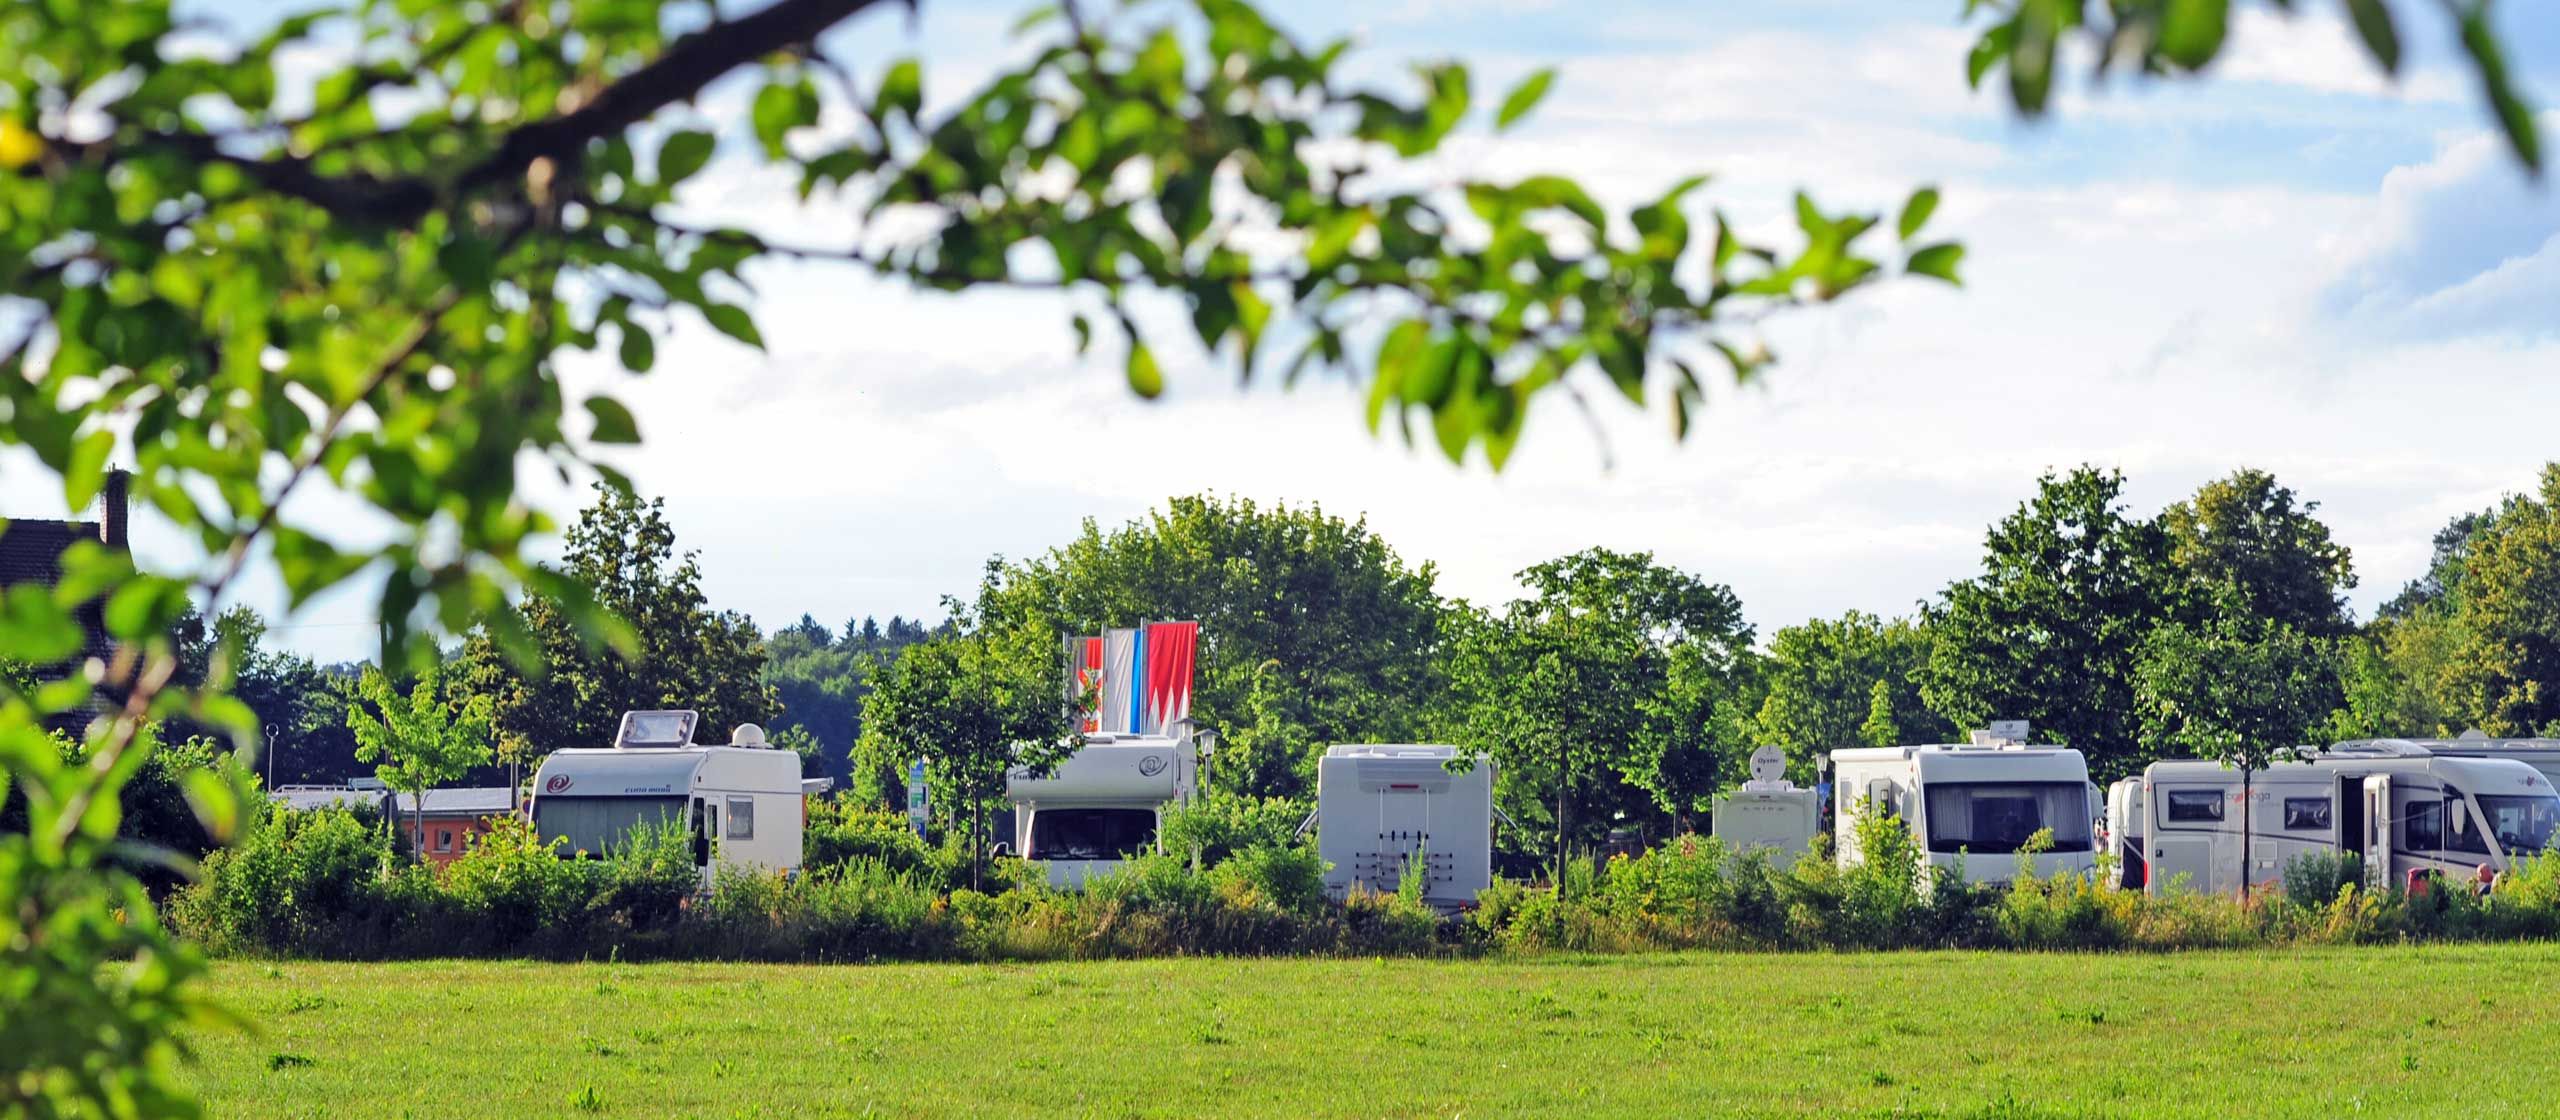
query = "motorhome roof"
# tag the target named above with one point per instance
(2478, 775)
(2466, 744)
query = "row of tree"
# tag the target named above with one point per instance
(1616, 692)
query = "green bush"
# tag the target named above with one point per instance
(842, 830)
(2312, 879)
(1218, 825)
(1288, 878)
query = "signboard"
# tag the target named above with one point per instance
(919, 809)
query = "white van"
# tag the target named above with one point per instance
(2399, 808)
(1101, 804)
(1972, 803)
(1379, 806)
(743, 804)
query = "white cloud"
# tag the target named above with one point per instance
(2458, 245)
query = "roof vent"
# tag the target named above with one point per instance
(656, 729)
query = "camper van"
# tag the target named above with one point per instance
(1383, 807)
(1767, 812)
(1973, 804)
(1102, 804)
(743, 803)
(2400, 808)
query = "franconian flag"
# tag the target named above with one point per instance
(1171, 650)
(1119, 680)
(1084, 682)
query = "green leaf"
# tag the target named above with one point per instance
(86, 473)
(1145, 378)
(470, 261)
(2191, 31)
(734, 322)
(216, 804)
(1915, 213)
(1994, 45)
(1396, 353)
(2515, 118)
(614, 423)
(39, 631)
(683, 154)
(1524, 97)
(639, 351)
(2373, 25)
(1938, 260)
(901, 89)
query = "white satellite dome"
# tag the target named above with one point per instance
(747, 735)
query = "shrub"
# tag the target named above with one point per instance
(1286, 878)
(842, 830)
(2312, 879)
(1217, 826)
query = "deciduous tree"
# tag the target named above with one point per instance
(418, 742)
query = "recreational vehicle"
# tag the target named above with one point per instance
(1102, 804)
(1383, 808)
(2399, 808)
(1767, 812)
(742, 803)
(1974, 804)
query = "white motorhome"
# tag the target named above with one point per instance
(743, 803)
(1767, 812)
(2399, 808)
(1973, 804)
(2541, 754)
(1380, 807)
(1100, 805)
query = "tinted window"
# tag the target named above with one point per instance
(595, 825)
(1991, 818)
(2195, 804)
(2467, 839)
(1091, 833)
(2309, 814)
(2524, 824)
(2422, 829)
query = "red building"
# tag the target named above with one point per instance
(452, 818)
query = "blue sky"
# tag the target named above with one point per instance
(2294, 266)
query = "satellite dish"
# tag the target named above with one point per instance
(1768, 764)
(747, 735)
(2472, 735)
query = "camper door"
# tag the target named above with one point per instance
(2378, 819)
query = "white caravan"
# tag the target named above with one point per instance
(742, 803)
(1101, 804)
(1379, 807)
(1973, 804)
(1767, 812)
(2399, 808)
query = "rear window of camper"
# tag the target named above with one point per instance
(1993, 818)
(596, 825)
(1091, 833)
(2195, 804)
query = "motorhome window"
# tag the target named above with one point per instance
(2465, 839)
(2306, 814)
(2422, 828)
(742, 818)
(596, 825)
(1091, 833)
(1995, 818)
(2195, 804)
(2523, 825)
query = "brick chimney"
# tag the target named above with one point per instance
(111, 520)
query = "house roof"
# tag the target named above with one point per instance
(31, 552)
(311, 798)
(478, 801)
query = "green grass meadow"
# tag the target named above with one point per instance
(2464, 1032)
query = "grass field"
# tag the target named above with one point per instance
(2448, 1032)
